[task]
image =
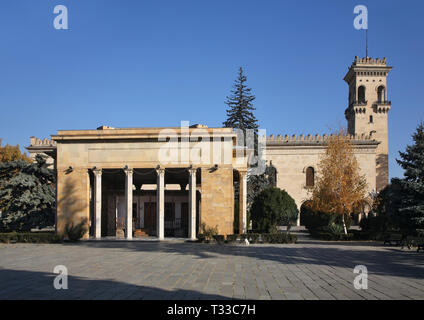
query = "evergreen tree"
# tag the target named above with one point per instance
(240, 116)
(257, 183)
(27, 195)
(412, 161)
(240, 113)
(273, 207)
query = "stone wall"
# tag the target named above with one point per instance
(217, 203)
(291, 162)
(73, 196)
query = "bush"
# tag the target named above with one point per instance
(75, 232)
(207, 233)
(376, 226)
(272, 207)
(232, 238)
(30, 237)
(323, 235)
(253, 237)
(275, 237)
(313, 220)
(219, 238)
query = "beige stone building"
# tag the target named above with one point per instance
(296, 157)
(168, 181)
(148, 181)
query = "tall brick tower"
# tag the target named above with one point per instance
(368, 108)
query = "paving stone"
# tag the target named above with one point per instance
(177, 270)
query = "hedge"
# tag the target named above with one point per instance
(30, 237)
(278, 237)
(332, 236)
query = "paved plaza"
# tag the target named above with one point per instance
(181, 270)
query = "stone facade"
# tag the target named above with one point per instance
(367, 112)
(291, 156)
(218, 199)
(367, 127)
(95, 167)
(209, 166)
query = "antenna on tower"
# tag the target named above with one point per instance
(366, 42)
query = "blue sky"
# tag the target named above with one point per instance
(154, 63)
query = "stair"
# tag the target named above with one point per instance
(140, 233)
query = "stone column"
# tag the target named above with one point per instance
(160, 203)
(128, 202)
(97, 203)
(192, 204)
(243, 202)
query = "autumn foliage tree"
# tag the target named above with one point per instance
(340, 187)
(12, 153)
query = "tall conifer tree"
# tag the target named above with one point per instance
(412, 161)
(240, 107)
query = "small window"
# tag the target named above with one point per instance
(371, 119)
(310, 177)
(381, 93)
(361, 94)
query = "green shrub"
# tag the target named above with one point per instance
(275, 237)
(219, 238)
(243, 237)
(316, 219)
(325, 235)
(30, 237)
(208, 232)
(279, 238)
(273, 207)
(201, 237)
(75, 232)
(232, 238)
(253, 237)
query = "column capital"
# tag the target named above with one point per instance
(97, 171)
(128, 171)
(192, 171)
(242, 172)
(159, 170)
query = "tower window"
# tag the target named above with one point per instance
(381, 93)
(310, 177)
(361, 94)
(371, 119)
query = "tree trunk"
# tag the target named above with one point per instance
(344, 224)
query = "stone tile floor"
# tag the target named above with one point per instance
(179, 270)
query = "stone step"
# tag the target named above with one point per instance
(141, 233)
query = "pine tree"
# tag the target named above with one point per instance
(412, 161)
(240, 116)
(240, 113)
(27, 195)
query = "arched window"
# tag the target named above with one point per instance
(310, 177)
(361, 94)
(381, 94)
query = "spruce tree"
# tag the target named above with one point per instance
(240, 107)
(27, 195)
(240, 116)
(412, 161)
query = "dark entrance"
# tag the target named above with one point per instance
(150, 217)
(184, 218)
